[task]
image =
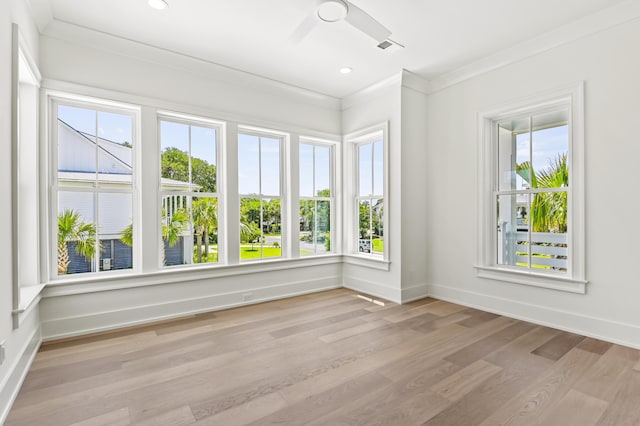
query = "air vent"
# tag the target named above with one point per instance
(390, 46)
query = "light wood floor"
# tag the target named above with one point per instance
(330, 359)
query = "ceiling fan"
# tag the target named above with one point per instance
(338, 10)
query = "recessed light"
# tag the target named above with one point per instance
(346, 70)
(332, 10)
(158, 4)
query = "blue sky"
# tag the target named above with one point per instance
(321, 169)
(114, 127)
(370, 183)
(547, 145)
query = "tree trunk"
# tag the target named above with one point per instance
(63, 258)
(206, 245)
(199, 246)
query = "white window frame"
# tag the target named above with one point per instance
(25, 178)
(285, 223)
(220, 128)
(574, 280)
(101, 105)
(353, 140)
(332, 188)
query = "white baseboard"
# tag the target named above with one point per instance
(78, 325)
(18, 371)
(415, 292)
(391, 294)
(599, 328)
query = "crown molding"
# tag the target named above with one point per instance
(106, 42)
(372, 91)
(416, 82)
(41, 12)
(584, 27)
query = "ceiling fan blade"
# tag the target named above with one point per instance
(365, 23)
(303, 29)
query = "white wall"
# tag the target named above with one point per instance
(20, 343)
(414, 235)
(608, 63)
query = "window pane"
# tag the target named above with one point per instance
(203, 159)
(115, 154)
(174, 143)
(364, 227)
(549, 246)
(512, 231)
(115, 232)
(307, 226)
(365, 183)
(271, 228)
(250, 229)
(550, 149)
(323, 227)
(270, 156)
(323, 171)
(377, 225)
(77, 232)
(176, 230)
(76, 146)
(513, 154)
(204, 213)
(378, 169)
(306, 170)
(248, 164)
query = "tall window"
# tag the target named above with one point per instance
(531, 205)
(189, 189)
(531, 190)
(316, 198)
(370, 196)
(94, 187)
(260, 188)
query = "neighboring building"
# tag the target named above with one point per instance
(77, 164)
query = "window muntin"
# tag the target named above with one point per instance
(316, 198)
(189, 191)
(260, 190)
(94, 187)
(532, 187)
(370, 196)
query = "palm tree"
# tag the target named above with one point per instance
(548, 209)
(171, 231)
(72, 229)
(205, 219)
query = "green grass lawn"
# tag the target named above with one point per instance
(212, 258)
(246, 252)
(378, 245)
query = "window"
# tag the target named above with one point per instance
(316, 198)
(189, 190)
(94, 188)
(370, 195)
(533, 176)
(260, 189)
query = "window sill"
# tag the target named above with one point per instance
(29, 297)
(123, 280)
(373, 262)
(553, 282)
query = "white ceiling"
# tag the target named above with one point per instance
(255, 35)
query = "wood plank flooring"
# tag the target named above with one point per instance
(332, 358)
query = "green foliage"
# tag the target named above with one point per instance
(548, 209)
(71, 228)
(175, 165)
(172, 230)
(205, 223)
(126, 236)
